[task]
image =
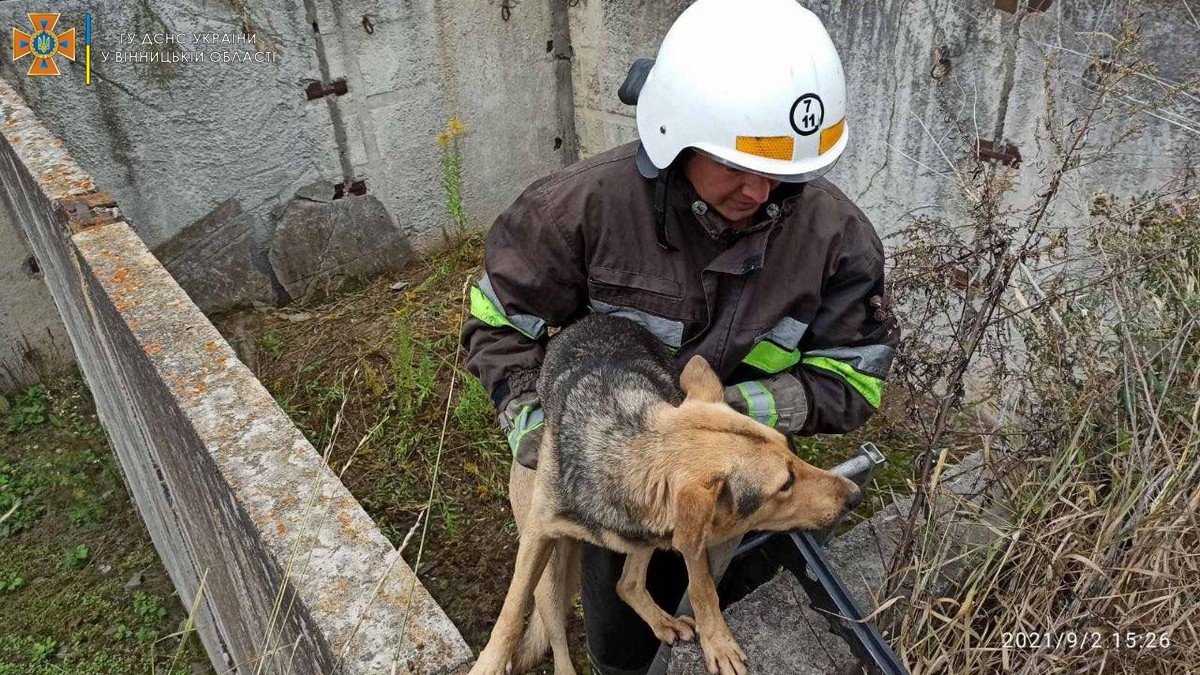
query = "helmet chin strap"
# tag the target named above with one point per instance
(660, 177)
(660, 210)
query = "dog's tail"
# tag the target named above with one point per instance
(553, 603)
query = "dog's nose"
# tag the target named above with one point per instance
(854, 498)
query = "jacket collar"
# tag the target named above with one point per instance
(686, 206)
(744, 250)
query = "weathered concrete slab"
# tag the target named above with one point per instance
(412, 66)
(288, 572)
(171, 140)
(779, 633)
(778, 630)
(321, 246)
(213, 260)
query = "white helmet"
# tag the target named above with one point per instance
(756, 84)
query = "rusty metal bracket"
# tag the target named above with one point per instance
(95, 208)
(1011, 6)
(316, 90)
(1005, 153)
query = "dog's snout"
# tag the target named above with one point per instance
(854, 498)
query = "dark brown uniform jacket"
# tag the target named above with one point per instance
(796, 297)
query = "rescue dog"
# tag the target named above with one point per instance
(636, 456)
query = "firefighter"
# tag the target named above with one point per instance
(717, 232)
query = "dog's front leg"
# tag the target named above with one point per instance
(632, 589)
(532, 553)
(722, 655)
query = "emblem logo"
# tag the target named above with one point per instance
(43, 44)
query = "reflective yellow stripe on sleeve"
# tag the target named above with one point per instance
(870, 387)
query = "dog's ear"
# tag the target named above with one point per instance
(699, 381)
(740, 497)
(695, 506)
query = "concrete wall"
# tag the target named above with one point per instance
(288, 572)
(33, 341)
(428, 60)
(926, 79)
(225, 146)
(173, 143)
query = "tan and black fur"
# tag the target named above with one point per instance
(636, 456)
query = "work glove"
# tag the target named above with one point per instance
(779, 402)
(521, 422)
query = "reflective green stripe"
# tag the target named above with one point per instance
(771, 358)
(760, 404)
(530, 326)
(871, 388)
(527, 420)
(751, 409)
(486, 311)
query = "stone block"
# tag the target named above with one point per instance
(778, 631)
(319, 247)
(213, 259)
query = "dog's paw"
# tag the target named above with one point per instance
(722, 655)
(487, 665)
(670, 629)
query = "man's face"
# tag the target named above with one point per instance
(736, 195)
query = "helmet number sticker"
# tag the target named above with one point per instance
(807, 114)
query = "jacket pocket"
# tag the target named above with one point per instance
(607, 278)
(654, 302)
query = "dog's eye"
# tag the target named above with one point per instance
(791, 479)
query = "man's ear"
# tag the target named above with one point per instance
(699, 381)
(695, 506)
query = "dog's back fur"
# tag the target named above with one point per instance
(598, 385)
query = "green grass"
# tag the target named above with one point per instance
(270, 345)
(391, 388)
(27, 410)
(71, 543)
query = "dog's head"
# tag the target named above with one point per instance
(737, 475)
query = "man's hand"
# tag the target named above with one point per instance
(521, 422)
